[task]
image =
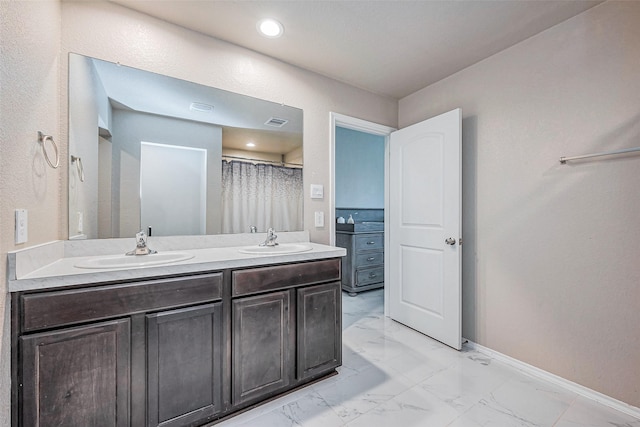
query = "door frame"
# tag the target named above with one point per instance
(353, 123)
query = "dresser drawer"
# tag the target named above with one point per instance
(369, 275)
(369, 259)
(369, 242)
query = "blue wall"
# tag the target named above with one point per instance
(359, 169)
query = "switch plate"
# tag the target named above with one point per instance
(22, 225)
(319, 219)
(317, 191)
(80, 222)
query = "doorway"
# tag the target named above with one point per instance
(422, 195)
(341, 124)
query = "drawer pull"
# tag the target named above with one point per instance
(371, 258)
(372, 275)
(371, 243)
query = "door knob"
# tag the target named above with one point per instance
(450, 241)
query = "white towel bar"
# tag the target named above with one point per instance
(564, 160)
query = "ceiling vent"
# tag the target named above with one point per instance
(199, 106)
(276, 122)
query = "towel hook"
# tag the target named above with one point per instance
(78, 162)
(42, 138)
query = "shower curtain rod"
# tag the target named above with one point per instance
(246, 159)
(563, 160)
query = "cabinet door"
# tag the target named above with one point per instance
(263, 345)
(319, 329)
(184, 363)
(77, 376)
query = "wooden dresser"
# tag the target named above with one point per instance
(363, 267)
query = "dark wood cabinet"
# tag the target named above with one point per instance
(287, 327)
(88, 357)
(174, 351)
(77, 376)
(185, 356)
(263, 345)
(319, 329)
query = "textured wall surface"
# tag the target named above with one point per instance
(113, 33)
(550, 264)
(29, 102)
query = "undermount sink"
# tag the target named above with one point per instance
(120, 261)
(280, 249)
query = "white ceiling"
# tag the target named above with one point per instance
(392, 48)
(241, 117)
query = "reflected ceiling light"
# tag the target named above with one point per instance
(250, 144)
(199, 106)
(270, 28)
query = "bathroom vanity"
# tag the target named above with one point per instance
(185, 344)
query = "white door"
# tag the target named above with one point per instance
(425, 227)
(173, 189)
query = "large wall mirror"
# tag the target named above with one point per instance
(171, 157)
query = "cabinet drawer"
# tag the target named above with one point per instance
(49, 309)
(254, 280)
(369, 242)
(369, 259)
(369, 275)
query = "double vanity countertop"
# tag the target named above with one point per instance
(55, 264)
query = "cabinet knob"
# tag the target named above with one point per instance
(371, 243)
(371, 258)
(372, 275)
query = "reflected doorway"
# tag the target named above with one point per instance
(173, 189)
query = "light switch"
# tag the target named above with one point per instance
(80, 222)
(317, 191)
(22, 225)
(319, 219)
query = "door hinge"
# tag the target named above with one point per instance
(460, 241)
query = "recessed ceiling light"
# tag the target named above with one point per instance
(270, 28)
(250, 144)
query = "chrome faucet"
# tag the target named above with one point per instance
(141, 245)
(271, 238)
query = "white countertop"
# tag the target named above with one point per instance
(34, 273)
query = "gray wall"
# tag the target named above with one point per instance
(550, 255)
(359, 169)
(131, 127)
(89, 110)
(30, 101)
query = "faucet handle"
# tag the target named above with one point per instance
(141, 239)
(141, 245)
(271, 238)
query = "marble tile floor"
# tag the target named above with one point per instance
(394, 376)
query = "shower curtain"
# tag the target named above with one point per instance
(262, 195)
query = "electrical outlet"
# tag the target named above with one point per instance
(319, 219)
(22, 225)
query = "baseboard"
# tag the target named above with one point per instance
(557, 380)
